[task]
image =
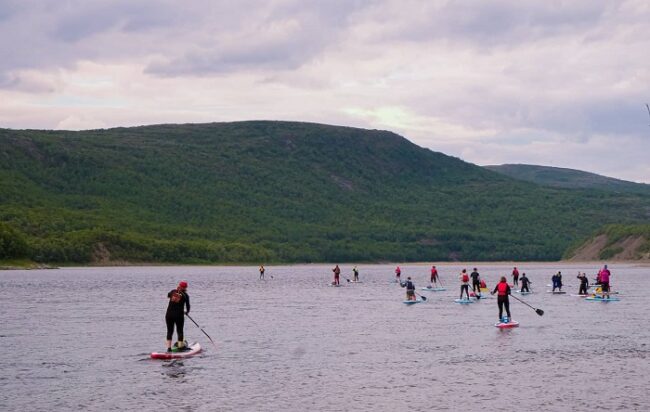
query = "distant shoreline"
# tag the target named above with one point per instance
(37, 266)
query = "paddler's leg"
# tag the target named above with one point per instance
(506, 303)
(500, 303)
(170, 332)
(180, 322)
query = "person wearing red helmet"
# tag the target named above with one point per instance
(178, 301)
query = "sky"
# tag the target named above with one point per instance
(555, 83)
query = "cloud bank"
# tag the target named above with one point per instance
(543, 82)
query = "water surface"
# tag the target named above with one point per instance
(81, 339)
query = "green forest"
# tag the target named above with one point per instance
(272, 192)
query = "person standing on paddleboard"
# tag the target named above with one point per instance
(502, 289)
(410, 289)
(584, 283)
(524, 283)
(434, 276)
(337, 272)
(178, 301)
(355, 272)
(476, 284)
(398, 275)
(464, 283)
(604, 281)
(515, 277)
(262, 270)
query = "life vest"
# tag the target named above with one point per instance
(483, 285)
(502, 289)
(465, 277)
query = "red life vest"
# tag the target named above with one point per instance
(465, 277)
(502, 289)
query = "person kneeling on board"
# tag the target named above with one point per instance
(502, 289)
(410, 289)
(178, 300)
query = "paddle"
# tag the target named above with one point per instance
(424, 299)
(197, 325)
(539, 311)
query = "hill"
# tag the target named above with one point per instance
(614, 242)
(568, 178)
(276, 192)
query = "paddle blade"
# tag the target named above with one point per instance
(539, 312)
(424, 298)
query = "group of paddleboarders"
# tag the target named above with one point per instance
(337, 275)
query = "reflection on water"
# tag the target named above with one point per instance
(293, 343)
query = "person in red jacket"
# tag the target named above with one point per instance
(398, 275)
(464, 283)
(434, 275)
(337, 272)
(515, 277)
(502, 289)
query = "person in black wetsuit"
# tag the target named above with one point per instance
(476, 284)
(178, 300)
(584, 283)
(524, 283)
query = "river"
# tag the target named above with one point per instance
(80, 338)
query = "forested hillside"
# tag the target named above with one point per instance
(276, 192)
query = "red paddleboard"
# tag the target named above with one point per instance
(194, 349)
(511, 324)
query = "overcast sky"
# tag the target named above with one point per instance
(557, 83)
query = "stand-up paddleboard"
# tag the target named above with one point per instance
(438, 289)
(599, 290)
(523, 293)
(507, 325)
(412, 302)
(557, 292)
(579, 295)
(463, 301)
(335, 285)
(194, 349)
(600, 299)
(485, 290)
(356, 281)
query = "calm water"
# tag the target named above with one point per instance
(81, 339)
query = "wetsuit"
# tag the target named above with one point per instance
(410, 290)
(503, 290)
(337, 272)
(356, 274)
(175, 314)
(554, 281)
(261, 272)
(398, 274)
(584, 283)
(476, 284)
(524, 284)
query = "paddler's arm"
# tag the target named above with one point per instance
(187, 303)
